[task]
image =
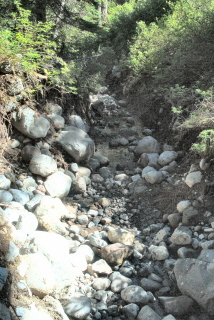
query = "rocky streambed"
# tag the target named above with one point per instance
(102, 235)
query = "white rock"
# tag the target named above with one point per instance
(101, 283)
(58, 121)
(181, 236)
(58, 184)
(78, 261)
(146, 170)
(193, 178)
(65, 274)
(13, 252)
(38, 273)
(183, 205)
(4, 183)
(32, 313)
(51, 245)
(42, 165)
(49, 212)
(25, 220)
(86, 252)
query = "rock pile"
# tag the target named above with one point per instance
(72, 239)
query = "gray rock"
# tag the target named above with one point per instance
(190, 216)
(146, 170)
(105, 172)
(177, 306)
(158, 252)
(169, 317)
(14, 85)
(42, 165)
(5, 196)
(82, 219)
(134, 294)
(166, 157)
(97, 241)
(154, 177)
(57, 121)
(147, 145)
(20, 196)
(150, 285)
(28, 152)
(119, 282)
(78, 307)
(153, 160)
(143, 160)
(4, 183)
(58, 184)
(54, 108)
(195, 278)
(4, 312)
(33, 203)
(29, 184)
(26, 121)
(3, 277)
(181, 236)
(76, 121)
(77, 144)
(147, 313)
(130, 311)
(193, 178)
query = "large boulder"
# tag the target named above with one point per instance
(147, 145)
(27, 122)
(195, 279)
(77, 144)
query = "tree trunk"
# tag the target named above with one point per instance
(104, 10)
(59, 19)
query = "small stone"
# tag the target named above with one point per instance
(130, 311)
(150, 285)
(120, 235)
(177, 306)
(119, 282)
(183, 205)
(101, 283)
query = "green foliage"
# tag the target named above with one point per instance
(30, 43)
(202, 117)
(169, 47)
(123, 20)
(205, 145)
